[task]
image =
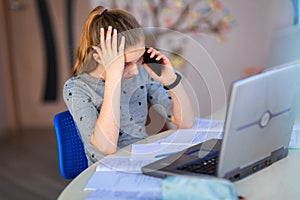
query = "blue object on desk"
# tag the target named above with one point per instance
(185, 187)
(72, 158)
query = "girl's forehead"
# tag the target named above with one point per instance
(134, 53)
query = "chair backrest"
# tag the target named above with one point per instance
(72, 158)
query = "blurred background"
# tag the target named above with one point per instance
(211, 42)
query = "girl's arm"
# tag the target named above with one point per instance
(182, 107)
(106, 131)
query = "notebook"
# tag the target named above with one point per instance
(259, 121)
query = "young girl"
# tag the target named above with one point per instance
(111, 87)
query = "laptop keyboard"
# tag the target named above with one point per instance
(207, 166)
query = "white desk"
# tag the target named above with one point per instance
(278, 181)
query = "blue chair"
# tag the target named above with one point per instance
(72, 158)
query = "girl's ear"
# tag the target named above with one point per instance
(96, 57)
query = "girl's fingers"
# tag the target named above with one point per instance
(157, 53)
(114, 40)
(108, 37)
(102, 40)
(153, 52)
(159, 57)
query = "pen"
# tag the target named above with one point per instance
(165, 154)
(176, 143)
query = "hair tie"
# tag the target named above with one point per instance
(103, 12)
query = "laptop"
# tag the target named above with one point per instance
(258, 126)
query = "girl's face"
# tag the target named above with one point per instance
(133, 60)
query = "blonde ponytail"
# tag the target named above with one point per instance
(85, 42)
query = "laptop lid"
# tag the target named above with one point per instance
(259, 121)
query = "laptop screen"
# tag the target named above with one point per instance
(260, 117)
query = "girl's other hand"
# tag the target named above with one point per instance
(168, 73)
(109, 55)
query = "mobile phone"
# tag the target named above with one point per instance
(155, 65)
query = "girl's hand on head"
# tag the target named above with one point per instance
(168, 73)
(109, 55)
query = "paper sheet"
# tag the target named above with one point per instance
(121, 163)
(123, 181)
(176, 142)
(154, 151)
(208, 125)
(190, 137)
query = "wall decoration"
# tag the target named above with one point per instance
(193, 17)
(190, 16)
(249, 71)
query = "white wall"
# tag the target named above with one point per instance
(285, 46)
(264, 36)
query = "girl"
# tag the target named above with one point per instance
(111, 87)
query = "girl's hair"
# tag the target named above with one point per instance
(121, 20)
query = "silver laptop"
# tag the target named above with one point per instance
(259, 122)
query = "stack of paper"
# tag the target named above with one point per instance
(202, 130)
